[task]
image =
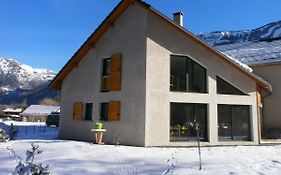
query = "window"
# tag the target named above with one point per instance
(104, 111)
(78, 111)
(182, 118)
(111, 74)
(234, 122)
(224, 87)
(88, 111)
(187, 76)
(110, 111)
(105, 75)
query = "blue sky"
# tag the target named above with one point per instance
(46, 33)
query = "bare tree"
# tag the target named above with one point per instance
(50, 101)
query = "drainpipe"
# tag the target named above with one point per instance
(262, 113)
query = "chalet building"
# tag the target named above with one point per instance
(35, 113)
(148, 79)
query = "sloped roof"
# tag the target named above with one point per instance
(113, 16)
(254, 52)
(40, 110)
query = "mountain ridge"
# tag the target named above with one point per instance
(266, 32)
(20, 82)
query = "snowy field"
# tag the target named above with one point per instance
(73, 157)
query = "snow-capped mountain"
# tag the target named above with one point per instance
(19, 82)
(266, 32)
(15, 75)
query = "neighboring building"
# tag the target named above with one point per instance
(264, 57)
(148, 79)
(36, 113)
(13, 113)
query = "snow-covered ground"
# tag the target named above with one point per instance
(74, 157)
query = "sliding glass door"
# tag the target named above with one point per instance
(183, 116)
(234, 122)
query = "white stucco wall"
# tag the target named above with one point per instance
(128, 37)
(164, 40)
(271, 103)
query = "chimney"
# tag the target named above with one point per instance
(178, 18)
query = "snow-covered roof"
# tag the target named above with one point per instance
(254, 52)
(14, 110)
(40, 110)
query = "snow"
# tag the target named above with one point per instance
(17, 110)
(40, 110)
(253, 52)
(277, 33)
(24, 73)
(67, 157)
(245, 66)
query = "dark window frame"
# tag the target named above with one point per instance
(104, 111)
(236, 91)
(232, 119)
(189, 129)
(106, 66)
(88, 111)
(190, 65)
(105, 74)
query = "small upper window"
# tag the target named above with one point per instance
(111, 73)
(186, 75)
(106, 66)
(224, 87)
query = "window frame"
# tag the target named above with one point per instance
(111, 73)
(196, 62)
(227, 82)
(111, 113)
(206, 124)
(88, 118)
(103, 76)
(104, 118)
(232, 137)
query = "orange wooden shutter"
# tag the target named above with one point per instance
(78, 111)
(114, 111)
(115, 72)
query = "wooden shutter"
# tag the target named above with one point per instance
(115, 72)
(114, 111)
(78, 111)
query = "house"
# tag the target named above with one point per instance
(13, 113)
(36, 113)
(148, 79)
(264, 57)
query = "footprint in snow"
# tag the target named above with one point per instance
(275, 161)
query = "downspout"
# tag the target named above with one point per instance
(262, 115)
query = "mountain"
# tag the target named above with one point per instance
(271, 31)
(257, 46)
(20, 82)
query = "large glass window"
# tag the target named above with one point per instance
(186, 75)
(234, 122)
(183, 116)
(224, 87)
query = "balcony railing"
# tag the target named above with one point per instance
(105, 80)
